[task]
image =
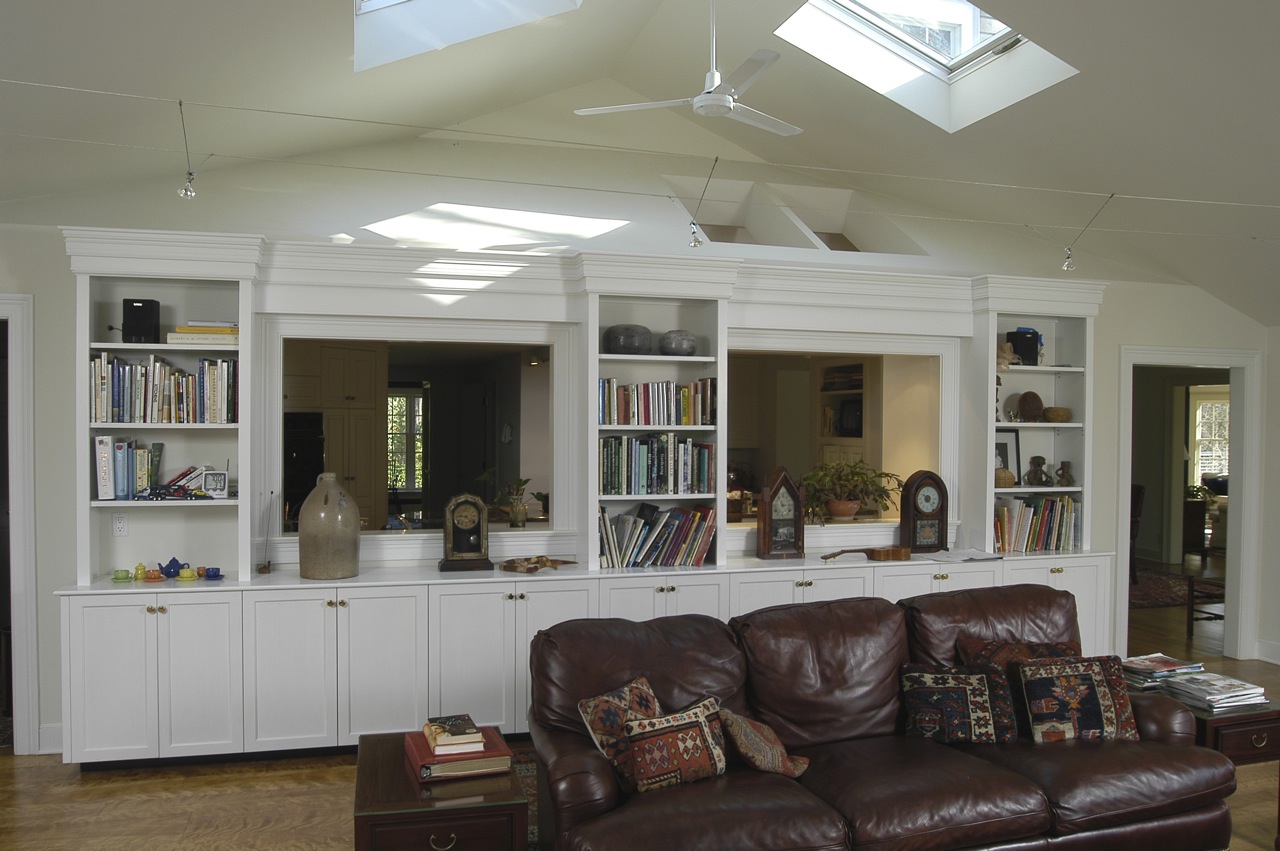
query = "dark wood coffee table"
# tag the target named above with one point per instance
(395, 811)
(1246, 735)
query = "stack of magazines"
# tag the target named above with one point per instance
(1214, 692)
(1147, 673)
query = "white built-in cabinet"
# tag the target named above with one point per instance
(642, 597)
(1089, 580)
(896, 581)
(479, 634)
(152, 675)
(758, 589)
(324, 665)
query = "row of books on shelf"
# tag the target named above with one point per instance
(1026, 524)
(659, 463)
(1189, 682)
(657, 403)
(153, 391)
(124, 469)
(434, 753)
(652, 537)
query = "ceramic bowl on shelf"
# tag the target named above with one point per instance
(627, 340)
(678, 342)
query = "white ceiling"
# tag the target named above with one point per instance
(1173, 111)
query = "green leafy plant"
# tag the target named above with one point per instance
(512, 493)
(1200, 492)
(856, 480)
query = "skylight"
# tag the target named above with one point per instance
(945, 60)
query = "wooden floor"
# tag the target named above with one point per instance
(306, 802)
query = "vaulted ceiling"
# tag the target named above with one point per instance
(1173, 112)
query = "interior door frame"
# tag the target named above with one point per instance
(1240, 631)
(17, 311)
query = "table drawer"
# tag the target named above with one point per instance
(1250, 741)
(479, 832)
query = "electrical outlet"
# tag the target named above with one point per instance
(119, 525)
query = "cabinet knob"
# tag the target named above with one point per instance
(671, 589)
(1259, 742)
(799, 583)
(808, 583)
(520, 596)
(453, 840)
(151, 610)
(342, 604)
(941, 576)
(162, 610)
(330, 603)
(510, 596)
(1057, 570)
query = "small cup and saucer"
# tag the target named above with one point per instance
(122, 574)
(154, 575)
(187, 574)
(213, 574)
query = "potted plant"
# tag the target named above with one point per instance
(511, 497)
(843, 488)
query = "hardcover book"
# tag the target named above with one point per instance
(453, 734)
(428, 766)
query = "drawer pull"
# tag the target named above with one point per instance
(453, 840)
(1259, 742)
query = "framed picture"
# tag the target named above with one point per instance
(215, 483)
(1008, 452)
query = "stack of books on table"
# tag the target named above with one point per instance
(1213, 692)
(452, 746)
(1149, 672)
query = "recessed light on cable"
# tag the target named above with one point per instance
(1067, 265)
(696, 241)
(188, 190)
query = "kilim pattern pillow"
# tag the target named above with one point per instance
(759, 745)
(1077, 699)
(606, 717)
(679, 748)
(965, 704)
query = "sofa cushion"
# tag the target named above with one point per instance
(1025, 613)
(606, 717)
(741, 810)
(822, 672)
(970, 703)
(678, 748)
(758, 745)
(980, 651)
(1081, 698)
(1092, 785)
(908, 793)
(684, 657)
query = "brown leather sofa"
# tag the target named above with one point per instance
(825, 677)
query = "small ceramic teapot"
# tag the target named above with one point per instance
(172, 568)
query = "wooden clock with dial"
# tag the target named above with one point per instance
(466, 534)
(780, 518)
(924, 513)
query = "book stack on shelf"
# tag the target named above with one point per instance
(153, 391)
(124, 468)
(453, 746)
(1213, 692)
(205, 332)
(657, 403)
(677, 537)
(1149, 672)
(1034, 523)
(655, 464)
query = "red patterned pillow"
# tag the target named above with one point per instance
(966, 704)
(679, 748)
(980, 651)
(606, 718)
(1077, 699)
(760, 746)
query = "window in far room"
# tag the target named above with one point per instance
(1212, 449)
(404, 439)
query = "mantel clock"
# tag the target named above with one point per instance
(924, 513)
(466, 534)
(780, 518)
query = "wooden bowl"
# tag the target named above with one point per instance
(1055, 414)
(1030, 408)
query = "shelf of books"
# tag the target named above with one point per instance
(162, 403)
(657, 463)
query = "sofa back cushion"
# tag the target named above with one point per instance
(1021, 613)
(684, 657)
(823, 672)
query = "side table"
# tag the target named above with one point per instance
(394, 811)
(1246, 735)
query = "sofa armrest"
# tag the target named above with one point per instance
(1160, 718)
(580, 781)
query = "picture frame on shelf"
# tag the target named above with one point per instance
(214, 483)
(1008, 452)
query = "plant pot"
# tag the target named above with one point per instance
(843, 509)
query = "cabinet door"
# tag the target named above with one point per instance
(837, 584)
(635, 598)
(1089, 581)
(471, 647)
(201, 684)
(290, 669)
(540, 606)
(899, 581)
(701, 595)
(382, 661)
(112, 693)
(761, 589)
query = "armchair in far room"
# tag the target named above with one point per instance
(1137, 493)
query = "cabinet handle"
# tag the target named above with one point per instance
(1257, 743)
(520, 596)
(510, 596)
(453, 840)
(671, 589)
(330, 603)
(799, 583)
(808, 583)
(659, 590)
(342, 604)
(1057, 570)
(162, 610)
(151, 610)
(941, 576)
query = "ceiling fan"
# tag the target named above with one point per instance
(719, 96)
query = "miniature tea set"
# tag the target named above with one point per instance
(172, 569)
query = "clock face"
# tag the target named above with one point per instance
(928, 499)
(466, 516)
(784, 507)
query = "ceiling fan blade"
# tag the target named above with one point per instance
(755, 118)
(628, 107)
(741, 78)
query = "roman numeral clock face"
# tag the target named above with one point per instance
(924, 513)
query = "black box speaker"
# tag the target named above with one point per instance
(141, 321)
(1026, 345)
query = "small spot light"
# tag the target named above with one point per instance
(188, 190)
(1067, 265)
(695, 241)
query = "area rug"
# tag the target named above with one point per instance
(1157, 589)
(525, 762)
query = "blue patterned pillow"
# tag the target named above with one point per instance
(971, 703)
(1077, 699)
